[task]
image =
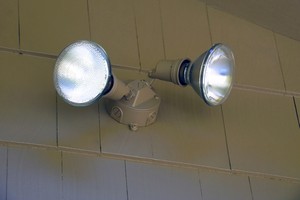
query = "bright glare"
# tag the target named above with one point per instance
(81, 73)
(218, 74)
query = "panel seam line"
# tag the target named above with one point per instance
(250, 187)
(226, 140)
(126, 181)
(136, 35)
(209, 26)
(6, 181)
(19, 26)
(150, 161)
(89, 19)
(162, 29)
(296, 110)
(279, 60)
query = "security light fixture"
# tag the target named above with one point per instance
(82, 75)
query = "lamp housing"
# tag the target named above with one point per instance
(210, 75)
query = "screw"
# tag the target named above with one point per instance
(133, 127)
(116, 112)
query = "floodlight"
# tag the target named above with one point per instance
(210, 75)
(83, 75)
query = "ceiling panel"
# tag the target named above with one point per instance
(280, 16)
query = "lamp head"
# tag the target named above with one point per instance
(82, 73)
(211, 74)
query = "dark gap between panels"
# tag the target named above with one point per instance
(296, 111)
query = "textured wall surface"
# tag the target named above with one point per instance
(248, 148)
(279, 16)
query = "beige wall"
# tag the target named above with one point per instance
(248, 148)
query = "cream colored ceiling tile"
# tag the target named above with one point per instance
(127, 75)
(78, 127)
(277, 15)
(9, 36)
(113, 27)
(257, 62)
(223, 186)
(48, 26)
(263, 188)
(262, 133)
(149, 30)
(290, 62)
(185, 28)
(34, 174)
(150, 182)
(27, 99)
(89, 177)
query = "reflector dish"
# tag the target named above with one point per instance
(217, 74)
(82, 73)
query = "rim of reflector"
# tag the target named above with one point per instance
(217, 98)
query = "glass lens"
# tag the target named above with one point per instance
(217, 75)
(81, 73)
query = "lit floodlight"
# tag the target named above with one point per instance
(210, 75)
(82, 73)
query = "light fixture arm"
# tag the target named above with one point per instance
(118, 89)
(171, 70)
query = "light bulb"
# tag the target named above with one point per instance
(82, 73)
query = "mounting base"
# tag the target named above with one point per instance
(138, 108)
